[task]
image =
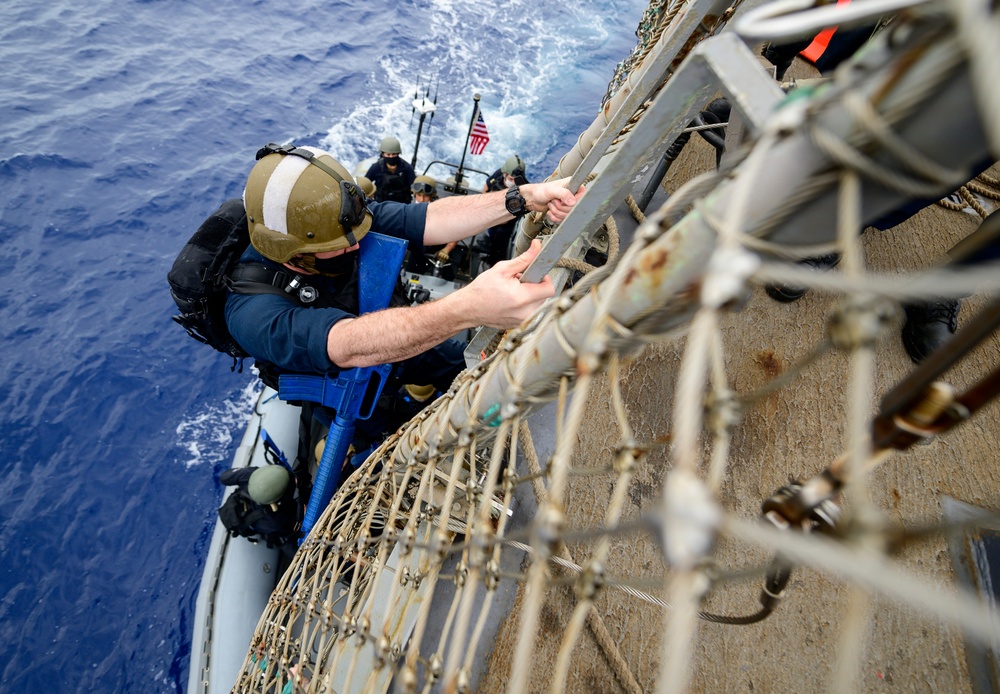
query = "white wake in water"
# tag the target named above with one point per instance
(207, 436)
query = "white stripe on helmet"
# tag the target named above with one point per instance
(279, 189)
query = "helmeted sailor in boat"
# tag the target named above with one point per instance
(512, 173)
(391, 174)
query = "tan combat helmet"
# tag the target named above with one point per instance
(424, 185)
(300, 200)
(367, 186)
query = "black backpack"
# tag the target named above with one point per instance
(242, 517)
(238, 514)
(199, 277)
(209, 266)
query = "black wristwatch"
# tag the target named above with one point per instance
(515, 202)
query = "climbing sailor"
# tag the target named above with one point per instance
(306, 218)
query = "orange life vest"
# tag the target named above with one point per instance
(821, 42)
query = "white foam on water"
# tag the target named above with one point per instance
(208, 434)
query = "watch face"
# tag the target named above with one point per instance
(514, 201)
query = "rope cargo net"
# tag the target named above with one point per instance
(634, 527)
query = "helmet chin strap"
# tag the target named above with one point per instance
(303, 262)
(309, 264)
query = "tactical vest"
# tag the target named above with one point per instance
(392, 186)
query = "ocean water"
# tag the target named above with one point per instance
(122, 125)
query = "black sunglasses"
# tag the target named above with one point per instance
(353, 203)
(424, 188)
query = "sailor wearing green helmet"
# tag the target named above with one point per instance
(511, 173)
(391, 174)
(263, 505)
(268, 484)
(306, 215)
(507, 176)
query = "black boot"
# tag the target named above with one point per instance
(780, 292)
(716, 112)
(783, 56)
(928, 326)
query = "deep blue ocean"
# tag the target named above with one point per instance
(122, 125)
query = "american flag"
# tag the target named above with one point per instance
(480, 136)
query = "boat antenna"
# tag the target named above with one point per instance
(461, 164)
(424, 106)
(437, 88)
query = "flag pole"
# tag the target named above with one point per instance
(461, 164)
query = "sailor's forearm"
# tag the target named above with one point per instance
(394, 334)
(460, 216)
